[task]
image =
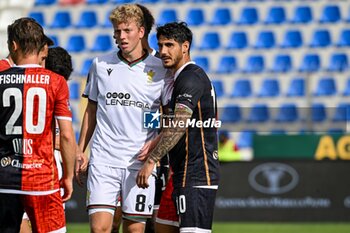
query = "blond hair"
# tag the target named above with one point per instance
(126, 13)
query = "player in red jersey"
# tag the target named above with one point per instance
(31, 98)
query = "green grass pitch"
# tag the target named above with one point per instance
(255, 228)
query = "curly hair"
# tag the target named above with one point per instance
(59, 61)
(127, 12)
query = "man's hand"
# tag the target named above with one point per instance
(81, 163)
(144, 173)
(67, 185)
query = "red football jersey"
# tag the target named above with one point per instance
(30, 99)
(4, 64)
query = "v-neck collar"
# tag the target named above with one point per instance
(132, 63)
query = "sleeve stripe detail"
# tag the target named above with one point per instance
(63, 118)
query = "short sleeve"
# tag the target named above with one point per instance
(90, 90)
(189, 89)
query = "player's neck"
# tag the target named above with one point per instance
(28, 59)
(134, 55)
(183, 61)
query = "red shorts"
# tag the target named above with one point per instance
(45, 212)
(167, 211)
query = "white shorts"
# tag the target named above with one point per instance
(105, 184)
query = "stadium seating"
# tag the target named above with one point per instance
(302, 15)
(342, 113)
(222, 16)
(102, 43)
(231, 114)
(292, 39)
(310, 63)
(166, 16)
(296, 88)
(44, 2)
(326, 87)
(346, 91)
(318, 112)
(269, 88)
(338, 62)
(219, 88)
(344, 39)
(195, 17)
(248, 16)
(254, 64)
(39, 17)
(62, 19)
(245, 138)
(227, 64)
(74, 90)
(321, 38)
(265, 40)
(241, 88)
(259, 113)
(288, 112)
(276, 15)
(330, 14)
(238, 40)
(76, 43)
(203, 62)
(282, 63)
(85, 67)
(210, 41)
(88, 19)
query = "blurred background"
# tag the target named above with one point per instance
(281, 73)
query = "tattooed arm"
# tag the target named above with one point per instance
(168, 139)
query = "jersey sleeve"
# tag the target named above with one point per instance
(91, 83)
(188, 90)
(168, 88)
(62, 105)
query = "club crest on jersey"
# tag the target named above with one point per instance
(151, 120)
(150, 75)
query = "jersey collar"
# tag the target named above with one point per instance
(181, 68)
(132, 63)
(28, 66)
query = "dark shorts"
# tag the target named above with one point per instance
(195, 207)
(11, 212)
(161, 181)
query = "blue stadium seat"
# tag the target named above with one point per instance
(292, 39)
(344, 38)
(254, 64)
(269, 88)
(326, 87)
(219, 88)
(102, 43)
(153, 42)
(74, 90)
(288, 112)
(330, 14)
(282, 63)
(296, 88)
(231, 114)
(245, 138)
(302, 14)
(87, 19)
(210, 41)
(76, 43)
(146, 1)
(238, 40)
(265, 40)
(318, 112)
(321, 38)
(39, 17)
(278, 132)
(248, 16)
(55, 40)
(195, 17)
(310, 63)
(85, 67)
(107, 23)
(335, 131)
(338, 62)
(222, 16)
(167, 16)
(342, 113)
(203, 62)
(259, 113)
(96, 1)
(346, 91)
(241, 88)
(44, 2)
(62, 19)
(226, 65)
(276, 15)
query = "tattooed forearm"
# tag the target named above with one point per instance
(170, 136)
